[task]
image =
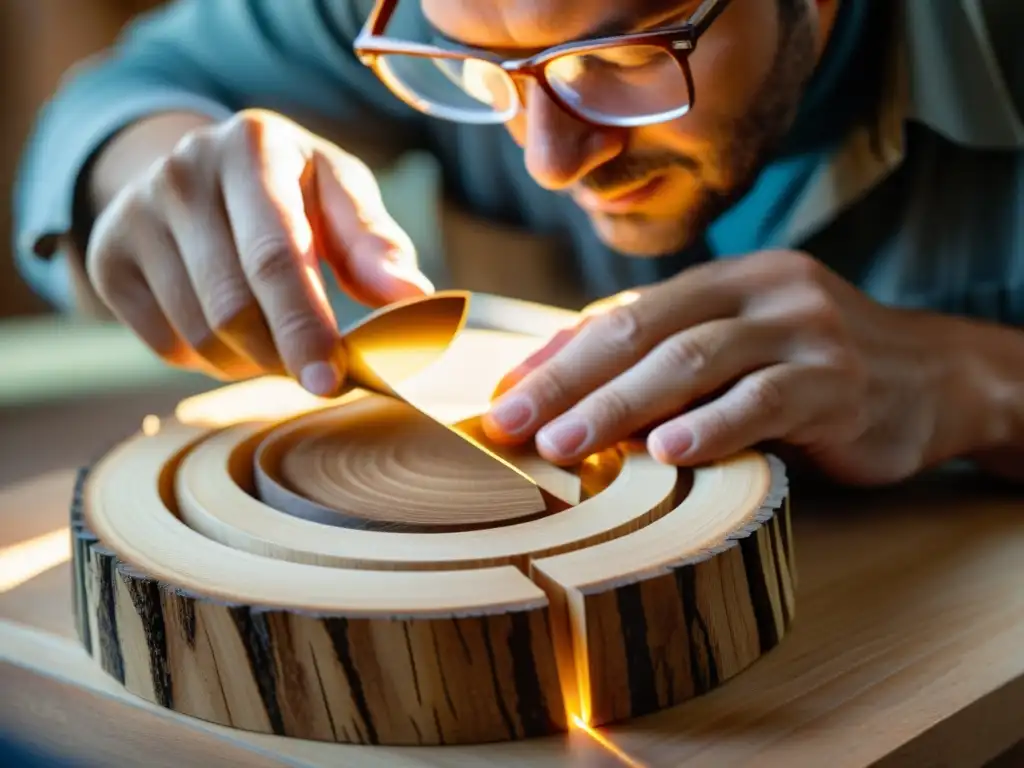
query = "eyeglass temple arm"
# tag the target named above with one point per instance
(706, 13)
(379, 17)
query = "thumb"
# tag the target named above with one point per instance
(372, 257)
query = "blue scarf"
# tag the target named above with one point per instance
(829, 106)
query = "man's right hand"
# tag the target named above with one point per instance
(212, 257)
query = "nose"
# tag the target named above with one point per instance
(560, 149)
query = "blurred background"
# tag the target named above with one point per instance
(56, 371)
(39, 39)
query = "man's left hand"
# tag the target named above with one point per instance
(733, 353)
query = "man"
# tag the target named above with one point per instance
(819, 205)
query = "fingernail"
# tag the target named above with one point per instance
(321, 379)
(673, 443)
(564, 438)
(512, 415)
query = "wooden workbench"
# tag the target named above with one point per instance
(908, 648)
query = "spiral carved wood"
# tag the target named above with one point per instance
(450, 596)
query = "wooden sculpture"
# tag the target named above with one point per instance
(369, 569)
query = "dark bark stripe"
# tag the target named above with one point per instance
(782, 517)
(77, 496)
(337, 630)
(444, 678)
(80, 543)
(438, 729)
(643, 691)
(216, 672)
(186, 609)
(78, 598)
(145, 595)
(416, 727)
(255, 636)
(412, 665)
(781, 566)
(462, 642)
(506, 718)
(323, 693)
(760, 597)
(531, 705)
(111, 659)
(703, 665)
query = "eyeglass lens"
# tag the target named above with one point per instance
(471, 90)
(620, 85)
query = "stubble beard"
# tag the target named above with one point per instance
(746, 145)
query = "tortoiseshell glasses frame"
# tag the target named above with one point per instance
(671, 45)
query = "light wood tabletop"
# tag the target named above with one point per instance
(907, 649)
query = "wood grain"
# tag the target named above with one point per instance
(327, 677)
(392, 468)
(199, 596)
(174, 626)
(681, 606)
(216, 496)
(906, 652)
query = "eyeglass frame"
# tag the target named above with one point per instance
(679, 41)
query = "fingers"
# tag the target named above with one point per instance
(685, 367)
(266, 208)
(198, 221)
(372, 257)
(609, 342)
(213, 256)
(768, 404)
(125, 291)
(175, 295)
(139, 276)
(517, 374)
(596, 352)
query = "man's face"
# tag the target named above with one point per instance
(652, 189)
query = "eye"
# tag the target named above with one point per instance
(626, 57)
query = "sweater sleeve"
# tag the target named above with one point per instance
(214, 57)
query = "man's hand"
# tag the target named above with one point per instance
(213, 257)
(733, 353)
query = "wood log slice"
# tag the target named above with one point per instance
(657, 586)
(380, 464)
(215, 496)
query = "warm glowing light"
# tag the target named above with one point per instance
(446, 398)
(316, 284)
(27, 559)
(264, 399)
(605, 743)
(150, 425)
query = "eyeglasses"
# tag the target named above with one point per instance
(624, 81)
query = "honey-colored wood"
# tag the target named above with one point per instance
(646, 627)
(289, 575)
(215, 496)
(906, 652)
(349, 466)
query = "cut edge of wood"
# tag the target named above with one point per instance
(240, 520)
(585, 616)
(174, 648)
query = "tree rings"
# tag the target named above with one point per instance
(426, 599)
